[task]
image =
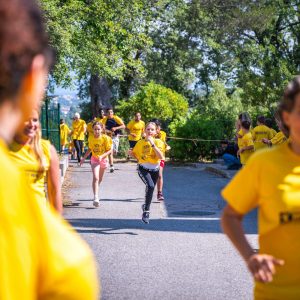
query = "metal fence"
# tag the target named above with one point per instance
(50, 120)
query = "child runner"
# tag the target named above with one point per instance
(100, 145)
(149, 153)
(135, 129)
(64, 134)
(39, 161)
(246, 145)
(162, 135)
(270, 182)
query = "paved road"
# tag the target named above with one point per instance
(181, 254)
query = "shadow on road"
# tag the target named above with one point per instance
(108, 226)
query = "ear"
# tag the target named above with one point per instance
(33, 86)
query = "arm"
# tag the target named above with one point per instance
(87, 153)
(105, 154)
(261, 266)
(157, 151)
(53, 181)
(245, 148)
(118, 127)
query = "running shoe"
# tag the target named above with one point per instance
(111, 169)
(160, 196)
(96, 202)
(145, 217)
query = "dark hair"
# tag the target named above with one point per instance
(98, 123)
(156, 121)
(289, 98)
(261, 119)
(268, 122)
(246, 124)
(22, 37)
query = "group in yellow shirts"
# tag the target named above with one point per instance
(270, 181)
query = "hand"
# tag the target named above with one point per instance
(81, 162)
(262, 266)
(133, 134)
(150, 140)
(265, 141)
(168, 148)
(113, 129)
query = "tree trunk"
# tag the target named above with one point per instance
(100, 94)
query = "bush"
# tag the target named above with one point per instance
(154, 101)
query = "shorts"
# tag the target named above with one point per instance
(96, 162)
(116, 141)
(162, 163)
(132, 144)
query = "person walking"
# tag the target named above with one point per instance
(100, 145)
(149, 153)
(270, 182)
(64, 135)
(41, 257)
(78, 131)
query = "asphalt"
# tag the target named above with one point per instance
(181, 254)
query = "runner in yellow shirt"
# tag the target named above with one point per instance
(135, 129)
(39, 161)
(78, 131)
(41, 257)
(245, 144)
(270, 181)
(268, 123)
(261, 132)
(100, 145)
(64, 135)
(149, 153)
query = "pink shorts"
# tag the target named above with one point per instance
(95, 162)
(162, 163)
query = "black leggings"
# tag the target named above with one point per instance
(78, 144)
(149, 177)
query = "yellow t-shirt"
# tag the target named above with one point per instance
(260, 132)
(271, 182)
(89, 128)
(136, 128)
(273, 132)
(25, 158)
(64, 134)
(279, 138)
(163, 137)
(245, 141)
(49, 260)
(78, 129)
(145, 153)
(99, 145)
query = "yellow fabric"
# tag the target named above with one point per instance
(163, 137)
(99, 145)
(136, 128)
(279, 139)
(273, 132)
(25, 159)
(78, 129)
(64, 134)
(271, 181)
(260, 132)
(100, 120)
(89, 128)
(41, 257)
(240, 133)
(245, 141)
(145, 153)
(116, 118)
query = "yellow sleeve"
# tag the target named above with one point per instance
(270, 134)
(242, 191)
(160, 145)
(108, 143)
(129, 125)
(249, 142)
(137, 149)
(118, 120)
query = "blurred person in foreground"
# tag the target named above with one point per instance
(40, 255)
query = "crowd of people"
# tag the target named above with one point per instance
(248, 140)
(147, 144)
(41, 257)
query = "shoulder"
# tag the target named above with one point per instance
(118, 119)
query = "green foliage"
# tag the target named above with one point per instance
(154, 101)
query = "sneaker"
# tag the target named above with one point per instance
(96, 202)
(145, 217)
(111, 169)
(160, 196)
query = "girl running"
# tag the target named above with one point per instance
(100, 145)
(38, 158)
(270, 182)
(149, 153)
